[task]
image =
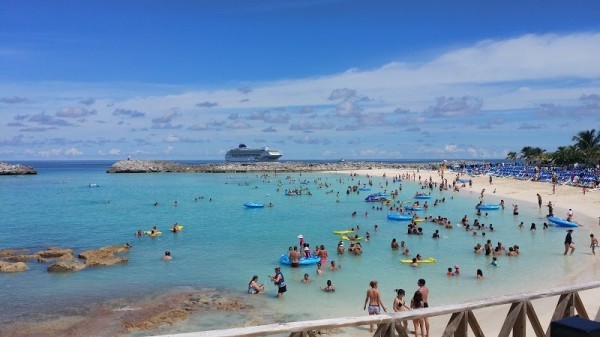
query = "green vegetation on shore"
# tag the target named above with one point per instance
(586, 150)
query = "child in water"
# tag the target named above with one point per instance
(330, 288)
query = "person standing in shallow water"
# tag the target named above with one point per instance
(539, 200)
(279, 281)
(569, 242)
(374, 300)
(417, 303)
(593, 243)
(399, 304)
(425, 295)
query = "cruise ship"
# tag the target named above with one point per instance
(245, 154)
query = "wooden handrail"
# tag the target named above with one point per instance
(521, 306)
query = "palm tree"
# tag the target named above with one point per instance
(532, 154)
(567, 155)
(526, 153)
(537, 154)
(512, 156)
(589, 143)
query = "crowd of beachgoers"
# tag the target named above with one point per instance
(588, 177)
(454, 179)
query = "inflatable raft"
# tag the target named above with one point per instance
(284, 259)
(253, 205)
(427, 260)
(421, 196)
(486, 207)
(562, 222)
(343, 232)
(399, 217)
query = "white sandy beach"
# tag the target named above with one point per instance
(587, 214)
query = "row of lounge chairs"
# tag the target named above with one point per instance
(588, 177)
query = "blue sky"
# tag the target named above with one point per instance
(314, 79)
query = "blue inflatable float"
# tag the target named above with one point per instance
(284, 259)
(487, 207)
(399, 217)
(421, 196)
(562, 222)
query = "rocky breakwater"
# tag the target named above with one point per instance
(153, 166)
(61, 259)
(16, 169)
(148, 315)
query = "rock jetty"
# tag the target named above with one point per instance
(154, 166)
(16, 169)
(146, 315)
(62, 259)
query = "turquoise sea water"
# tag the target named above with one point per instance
(223, 244)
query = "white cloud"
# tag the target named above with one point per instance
(50, 153)
(75, 112)
(343, 93)
(172, 139)
(455, 107)
(473, 152)
(73, 152)
(450, 148)
(111, 152)
(554, 75)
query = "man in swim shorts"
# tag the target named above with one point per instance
(425, 293)
(294, 257)
(374, 300)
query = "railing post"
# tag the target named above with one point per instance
(458, 325)
(400, 329)
(534, 320)
(474, 324)
(382, 330)
(566, 306)
(513, 316)
(520, 324)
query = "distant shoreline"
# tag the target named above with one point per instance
(16, 169)
(158, 166)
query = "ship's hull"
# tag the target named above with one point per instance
(252, 155)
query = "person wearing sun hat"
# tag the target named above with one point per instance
(456, 270)
(340, 248)
(301, 240)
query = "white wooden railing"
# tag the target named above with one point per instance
(462, 317)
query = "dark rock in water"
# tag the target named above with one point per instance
(10, 252)
(172, 309)
(54, 252)
(8, 267)
(16, 169)
(66, 263)
(27, 257)
(104, 256)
